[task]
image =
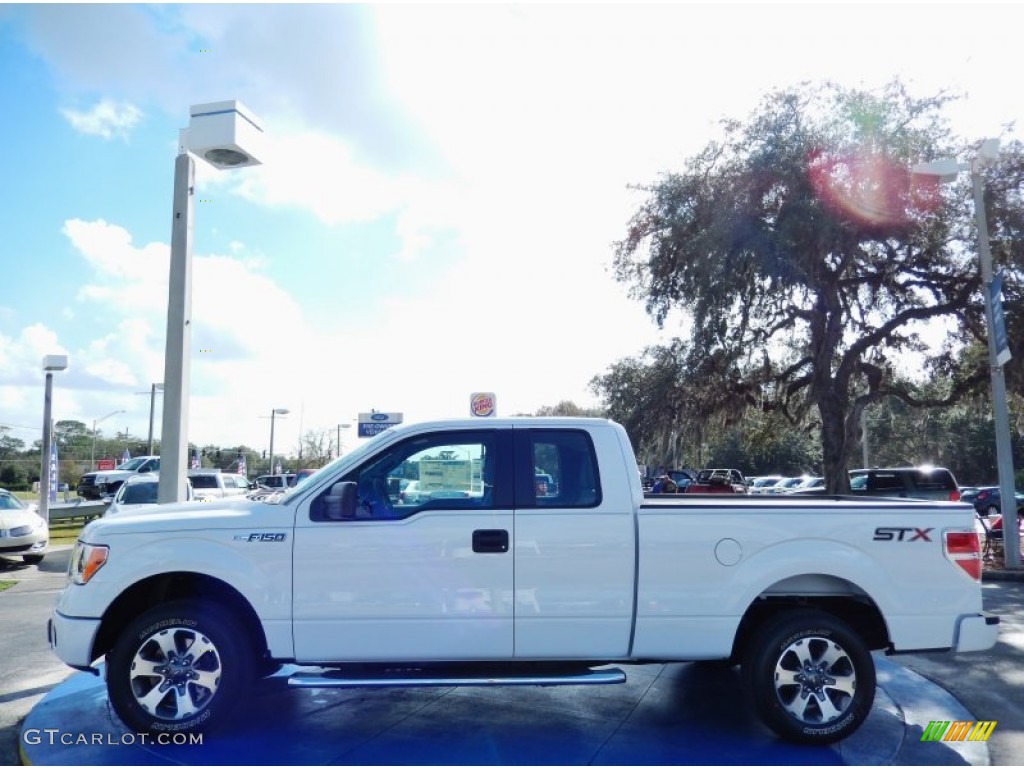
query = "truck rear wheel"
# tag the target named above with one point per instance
(178, 667)
(811, 678)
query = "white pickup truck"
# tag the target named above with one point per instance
(511, 583)
(96, 485)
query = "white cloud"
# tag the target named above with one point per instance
(107, 119)
(21, 356)
(246, 332)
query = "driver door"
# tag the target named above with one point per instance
(418, 579)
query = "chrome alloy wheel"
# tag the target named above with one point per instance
(815, 680)
(175, 673)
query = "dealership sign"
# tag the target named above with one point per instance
(375, 422)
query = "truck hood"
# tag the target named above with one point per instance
(191, 515)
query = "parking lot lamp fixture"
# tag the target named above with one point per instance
(226, 135)
(346, 425)
(273, 413)
(51, 363)
(947, 171)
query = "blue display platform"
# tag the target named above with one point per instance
(671, 714)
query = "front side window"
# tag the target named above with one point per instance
(446, 470)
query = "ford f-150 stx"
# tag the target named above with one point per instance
(491, 579)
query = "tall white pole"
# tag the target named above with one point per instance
(1000, 412)
(152, 410)
(272, 413)
(44, 476)
(177, 358)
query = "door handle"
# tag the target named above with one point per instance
(490, 540)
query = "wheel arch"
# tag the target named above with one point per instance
(830, 594)
(164, 587)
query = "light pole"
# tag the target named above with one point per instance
(273, 413)
(152, 409)
(51, 363)
(92, 457)
(346, 425)
(947, 171)
(224, 134)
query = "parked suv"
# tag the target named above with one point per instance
(925, 482)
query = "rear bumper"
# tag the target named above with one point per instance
(72, 639)
(976, 632)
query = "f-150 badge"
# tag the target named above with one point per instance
(261, 537)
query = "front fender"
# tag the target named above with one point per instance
(257, 568)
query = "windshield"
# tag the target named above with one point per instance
(9, 501)
(354, 455)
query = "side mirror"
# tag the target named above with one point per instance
(340, 502)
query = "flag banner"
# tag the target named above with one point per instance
(277, 469)
(195, 460)
(241, 465)
(53, 472)
(125, 456)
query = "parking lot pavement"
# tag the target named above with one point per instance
(28, 668)
(989, 684)
(688, 714)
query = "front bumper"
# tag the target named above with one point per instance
(72, 638)
(33, 544)
(976, 632)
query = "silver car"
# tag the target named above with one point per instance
(23, 533)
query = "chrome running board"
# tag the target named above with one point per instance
(414, 677)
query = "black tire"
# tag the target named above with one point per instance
(810, 677)
(32, 559)
(187, 691)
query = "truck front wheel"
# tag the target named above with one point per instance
(811, 678)
(178, 667)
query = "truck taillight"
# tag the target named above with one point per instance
(954, 495)
(962, 549)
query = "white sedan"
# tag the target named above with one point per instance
(23, 533)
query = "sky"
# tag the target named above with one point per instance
(438, 203)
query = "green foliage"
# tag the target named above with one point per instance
(73, 439)
(807, 259)
(569, 408)
(13, 478)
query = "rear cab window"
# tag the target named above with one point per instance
(556, 468)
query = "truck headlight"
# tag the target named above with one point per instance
(86, 560)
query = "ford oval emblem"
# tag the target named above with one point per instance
(379, 416)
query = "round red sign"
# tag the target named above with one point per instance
(482, 404)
